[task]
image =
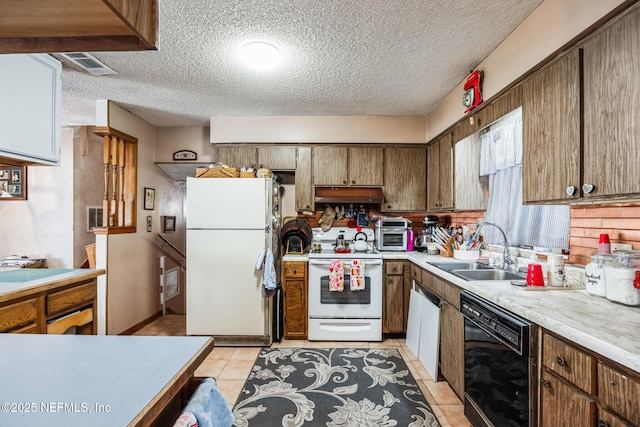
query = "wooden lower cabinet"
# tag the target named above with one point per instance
(396, 288)
(294, 287)
(451, 360)
(52, 311)
(562, 404)
(452, 347)
(581, 386)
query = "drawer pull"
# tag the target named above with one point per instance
(603, 424)
(295, 271)
(545, 383)
(560, 361)
(613, 383)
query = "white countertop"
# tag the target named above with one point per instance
(603, 326)
(76, 380)
(23, 279)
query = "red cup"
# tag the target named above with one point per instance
(534, 275)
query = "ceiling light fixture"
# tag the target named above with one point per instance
(260, 56)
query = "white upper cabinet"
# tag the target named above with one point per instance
(30, 93)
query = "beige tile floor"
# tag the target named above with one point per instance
(231, 366)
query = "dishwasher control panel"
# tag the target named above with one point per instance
(498, 322)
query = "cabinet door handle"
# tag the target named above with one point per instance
(603, 424)
(612, 383)
(560, 361)
(353, 181)
(344, 182)
(571, 190)
(295, 271)
(587, 188)
(545, 383)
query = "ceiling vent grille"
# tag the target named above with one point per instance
(89, 63)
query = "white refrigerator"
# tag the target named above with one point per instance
(229, 221)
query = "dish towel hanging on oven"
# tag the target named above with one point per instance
(336, 275)
(357, 275)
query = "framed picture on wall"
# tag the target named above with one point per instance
(149, 198)
(13, 182)
(168, 224)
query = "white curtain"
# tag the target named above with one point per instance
(501, 160)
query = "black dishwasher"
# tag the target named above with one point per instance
(500, 351)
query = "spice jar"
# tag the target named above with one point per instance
(623, 278)
(594, 274)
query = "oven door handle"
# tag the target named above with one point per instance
(366, 262)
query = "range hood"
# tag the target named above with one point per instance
(349, 195)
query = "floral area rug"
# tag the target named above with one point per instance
(331, 387)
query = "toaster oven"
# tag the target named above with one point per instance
(391, 234)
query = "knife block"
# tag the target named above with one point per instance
(448, 252)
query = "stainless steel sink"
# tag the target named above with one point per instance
(450, 266)
(492, 274)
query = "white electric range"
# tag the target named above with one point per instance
(347, 315)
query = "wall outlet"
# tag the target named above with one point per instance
(620, 247)
(149, 222)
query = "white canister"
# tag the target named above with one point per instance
(594, 274)
(555, 270)
(621, 276)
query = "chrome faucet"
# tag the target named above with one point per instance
(507, 262)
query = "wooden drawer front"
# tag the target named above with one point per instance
(433, 283)
(570, 363)
(606, 419)
(394, 267)
(452, 294)
(80, 318)
(14, 315)
(76, 297)
(619, 392)
(294, 269)
(416, 273)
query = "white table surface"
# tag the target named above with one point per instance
(73, 380)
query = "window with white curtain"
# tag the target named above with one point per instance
(501, 160)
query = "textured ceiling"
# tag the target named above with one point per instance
(356, 57)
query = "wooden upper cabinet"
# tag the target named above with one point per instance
(405, 181)
(304, 186)
(498, 108)
(40, 26)
(330, 166)
(612, 109)
(551, 131)
(339, 166)
(471, 189)
(237, 156)
(366, 166)
(440, 174)
(277, 158)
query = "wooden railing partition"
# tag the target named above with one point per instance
(120, 181)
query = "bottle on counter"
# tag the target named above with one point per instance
(409, 239)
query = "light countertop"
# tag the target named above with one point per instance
(79, 380)
(22, 281)
(603, 326)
